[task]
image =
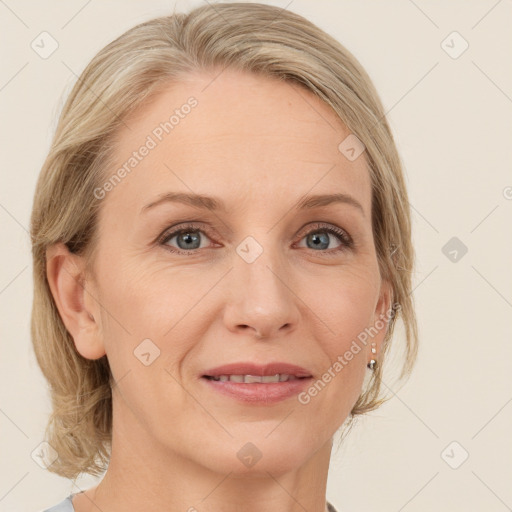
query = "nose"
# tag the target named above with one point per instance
(261, 299)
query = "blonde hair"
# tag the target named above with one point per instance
(129, 71)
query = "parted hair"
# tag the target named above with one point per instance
(129, 71)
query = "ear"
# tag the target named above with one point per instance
(382, 315)
(77, 307)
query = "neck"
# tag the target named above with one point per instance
(149, 476)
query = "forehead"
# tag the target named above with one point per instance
(238, 134)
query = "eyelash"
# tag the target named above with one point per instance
(343, 237)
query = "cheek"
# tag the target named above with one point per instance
(143, 310)
(344, 312)
(140, 310)
(143, 301)
(343, 303)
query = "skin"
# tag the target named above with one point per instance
(260, 146)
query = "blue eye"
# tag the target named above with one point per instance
(189, 238)
(319, 239)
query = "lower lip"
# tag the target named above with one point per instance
(259, 392)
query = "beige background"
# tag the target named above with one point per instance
(452, 118)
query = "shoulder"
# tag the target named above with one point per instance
(65, 505)
(330, 508)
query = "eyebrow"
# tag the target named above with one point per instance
(214, 204)
(319, 200)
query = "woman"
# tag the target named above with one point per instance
(222, 246)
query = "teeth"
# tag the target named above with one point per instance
(248, 379)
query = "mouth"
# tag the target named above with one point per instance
(256, 389)
(270, 372)
(256, 384)
(250, 379)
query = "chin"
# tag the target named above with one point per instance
(257, 456)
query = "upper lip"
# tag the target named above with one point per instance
(257, 369)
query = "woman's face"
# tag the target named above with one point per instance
(258, 275)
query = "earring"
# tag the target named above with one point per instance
(373, 363)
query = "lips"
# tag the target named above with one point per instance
(254, 384)
(249, 368)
